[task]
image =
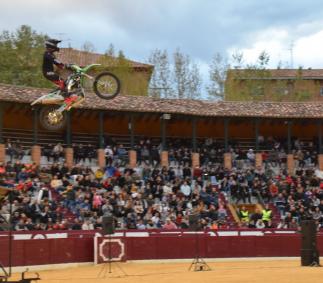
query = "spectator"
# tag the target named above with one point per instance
(57, 152)
(169, 225)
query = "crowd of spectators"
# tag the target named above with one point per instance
(151, 196)
(14, 149)
(55, 197)
(82, 153)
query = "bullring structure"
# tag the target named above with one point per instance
(131, 116)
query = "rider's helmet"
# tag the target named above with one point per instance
(52, 44)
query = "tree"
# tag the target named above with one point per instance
(195, 83)
(88, 46)
(21, 57)
(110, 51)
(160, 83)
(218, 73)
(186, 77)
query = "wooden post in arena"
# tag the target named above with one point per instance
(101, 151)
(195, 160)
(132, 154)
(320, 155)
(164, 153)
(226, 135)
(290, 156)
(35, 149)
(258, 160)
(228, 160)
(101, 157)
(195, 154)
(290, 164)
(36, 154)
(2, 152)
(320, 162)
(258, 156)
(132, 158)
(227, 155)
(2, 146)
(69, 157)
(69, 152)
(164, 158)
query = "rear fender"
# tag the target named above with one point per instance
(50, 98)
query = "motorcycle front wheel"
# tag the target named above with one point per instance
(106, 85)
(51, 119)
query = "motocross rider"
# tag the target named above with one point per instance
(49, 60)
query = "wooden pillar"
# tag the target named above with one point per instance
(226, 135)
(195, 155)
(290, 156)
(69, 152)
(257, 134)
(101, 130)
(164, 153)
(36, 154)
(101, 157)
(68, 130)
(320, 162)
(258, 160)
(69, 157)
(163, 133)
(132, 158)
(35, 126)
(290, 164)
(100, 151)
(2, 152)
(164, 158)
(289, 137)
(35, 149)
(131, 132)
(2, 145)
(195, 159)
(194, 141)
(228, 160)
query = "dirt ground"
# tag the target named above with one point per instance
(224, 271)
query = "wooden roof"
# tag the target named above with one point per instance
(144, 104)
(83, 58)
(279, 74)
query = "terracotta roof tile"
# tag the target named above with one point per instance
(83, 58)
(20, 94)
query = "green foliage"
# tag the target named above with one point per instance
(218, 73)
(21, 57)
(255, 77)
(180, 78)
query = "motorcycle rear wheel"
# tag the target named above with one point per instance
(51, 119)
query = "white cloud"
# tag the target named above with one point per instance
(307, 40)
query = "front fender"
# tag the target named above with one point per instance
(87, 68)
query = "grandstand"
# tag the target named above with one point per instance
(151, 171)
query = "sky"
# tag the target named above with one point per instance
(199, 28)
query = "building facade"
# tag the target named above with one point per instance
(274, 85)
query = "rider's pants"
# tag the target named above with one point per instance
(53, 77)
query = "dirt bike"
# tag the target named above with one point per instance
(53, 117)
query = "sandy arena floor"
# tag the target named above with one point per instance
(224, 271)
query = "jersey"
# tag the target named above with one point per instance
(49, 60)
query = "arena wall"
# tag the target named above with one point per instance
(34, 248)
